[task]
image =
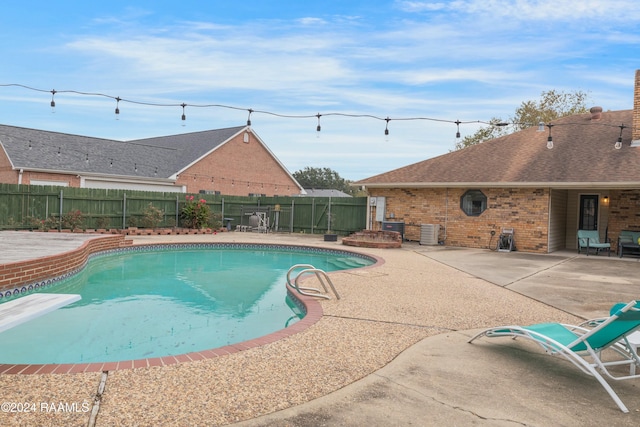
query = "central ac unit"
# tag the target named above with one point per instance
(429, 234)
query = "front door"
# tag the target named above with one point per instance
(588, 212)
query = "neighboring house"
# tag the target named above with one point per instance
(231, 161)
(315, 192)
(585, 181)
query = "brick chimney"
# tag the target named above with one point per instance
(635, 126)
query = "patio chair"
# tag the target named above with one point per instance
(588, 239)
(583, 346)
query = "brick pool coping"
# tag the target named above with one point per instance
(76, 259)
(313, 314)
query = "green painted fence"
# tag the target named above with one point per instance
(32, 207)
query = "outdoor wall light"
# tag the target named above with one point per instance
(605, 200)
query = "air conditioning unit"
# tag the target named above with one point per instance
(429, 234)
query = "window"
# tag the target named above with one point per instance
(473, 202)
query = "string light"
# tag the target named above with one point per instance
(618, 144)
(53, 92)
(117, 108)
(53, 102)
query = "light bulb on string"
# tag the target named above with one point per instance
(184, 117)
(386, 129)
(117, 108)
(457, 122)
(318, 128)
(53, 102)
(618, 144)
(550, 138)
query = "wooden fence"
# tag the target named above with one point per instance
(32, 207)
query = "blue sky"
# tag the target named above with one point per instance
(467, 60)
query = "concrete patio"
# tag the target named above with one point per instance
(392, 351)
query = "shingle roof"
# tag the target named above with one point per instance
(583, 154)
(152, 157)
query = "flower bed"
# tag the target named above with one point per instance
(374, 239)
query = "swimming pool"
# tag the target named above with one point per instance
(159, 300)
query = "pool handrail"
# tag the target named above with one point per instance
(313, 292)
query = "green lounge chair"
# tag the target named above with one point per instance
(588, 239)
(583, 346)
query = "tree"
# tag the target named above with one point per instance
(552, 105)
(321, 178)
(494, 130)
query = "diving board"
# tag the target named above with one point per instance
(23, 309)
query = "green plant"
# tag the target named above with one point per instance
(49, 223)
(103, 222)
(32, 222)
(151, 216)
(215, 220)
(132, 221)
(195, 214)
(72, 220)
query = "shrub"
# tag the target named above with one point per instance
(72, 220)
(103, 222)
(195, 214)
(132, 221)
(151, 216)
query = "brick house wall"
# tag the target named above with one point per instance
(239, 168)
(524, 210)
(6, 173)
(624, 212)
(635, 130)
(10, 176)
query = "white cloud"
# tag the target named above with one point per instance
(532, 10)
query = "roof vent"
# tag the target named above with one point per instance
(596, 113)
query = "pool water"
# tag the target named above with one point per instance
(154, 303)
